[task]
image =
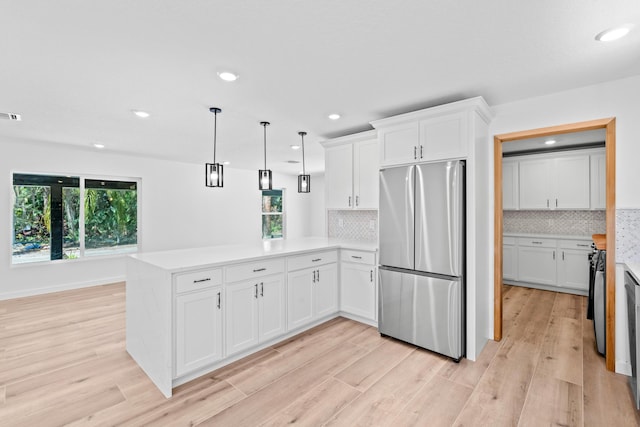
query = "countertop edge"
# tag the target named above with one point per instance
(549, 236)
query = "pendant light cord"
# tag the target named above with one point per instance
(265, 145)
(215, 128)
(303, 169)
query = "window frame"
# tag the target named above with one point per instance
(282, 214)
(82, 257)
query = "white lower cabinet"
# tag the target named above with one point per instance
(558, 264)
(198, 325)
(255, 312)
(312, 288)
(358, 287)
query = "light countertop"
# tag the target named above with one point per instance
(188, 259)
(549, 236)
(634, 269)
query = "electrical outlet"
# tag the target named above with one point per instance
(372, 224)
(341, 223)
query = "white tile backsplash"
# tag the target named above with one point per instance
(627, 235)
(579, 223)
(353, 225)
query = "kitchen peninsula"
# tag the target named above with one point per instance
(191, 311)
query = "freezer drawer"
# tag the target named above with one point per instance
(422, 310)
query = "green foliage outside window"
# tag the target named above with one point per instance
(272, 214)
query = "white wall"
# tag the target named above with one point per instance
(177, 211)
(617, 99)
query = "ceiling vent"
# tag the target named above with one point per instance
(11, 116)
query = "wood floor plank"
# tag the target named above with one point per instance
(513, 304)
(369, 338)
(468, 373)
(607, 396)
(561, 352)
(317, 406)
(552, 402)
(3, 393)
(568, 305)
(270, 400)
(437, 404)
(375, 365)
(390, 394)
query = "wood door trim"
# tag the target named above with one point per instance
(609, 124)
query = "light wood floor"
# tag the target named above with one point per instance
(63, 361)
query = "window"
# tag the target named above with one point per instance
(272, 214)
(66, 217)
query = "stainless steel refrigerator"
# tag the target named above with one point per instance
(422, 256)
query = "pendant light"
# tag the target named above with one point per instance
(265, 180)
(214, 171)
(304, 180)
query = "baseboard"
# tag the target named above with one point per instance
(59, 288)
(623, 367)
(545, 287)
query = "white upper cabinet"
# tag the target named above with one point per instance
(555, 183)
(438, 133)
(510, 185)
(351, 171)
(598, 181)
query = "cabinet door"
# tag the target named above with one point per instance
(365, 174)
(325, 291)
(537, 265)
(598, 181)
(198, 329)
(398, 144)
(300, 298)
(534, 183)
(241, 316)
(272, 307)
(358, 290)
(573, 269)
(339, 177)
(510, 185)
(571, 183)
(510, 262)
(443, 137)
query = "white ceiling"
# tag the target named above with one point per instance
(76, 69)
(562, 141)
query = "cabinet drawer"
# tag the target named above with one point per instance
(198, 280)
(254, 269)
(312, 260)
(537, 242)
(582, 245)
(509, 240)
(360, 257)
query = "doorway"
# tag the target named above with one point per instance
(608, 125)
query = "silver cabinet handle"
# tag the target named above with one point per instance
(556, 203)
(318, 275)
(316, 260)
(218, 300)
(357, 200)
(356, 257)
(421, 151)
(261, 289)
(547, 202)
(349, 201)
(554, 254)
(536, 243)
(415, 152)
(582, 246)
(563, 255)
(256, 295)
(259, 269)
(202, 280)
(314, 276)
(371, 276)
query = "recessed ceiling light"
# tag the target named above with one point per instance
(226, 163)
(550, 142)
(613, 33)
(228, 76)
(334, 116)
(142, 114)
(99, 146)
(295, 147)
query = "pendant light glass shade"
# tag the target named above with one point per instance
(304, 180)
(265, 180)
(214, 171)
